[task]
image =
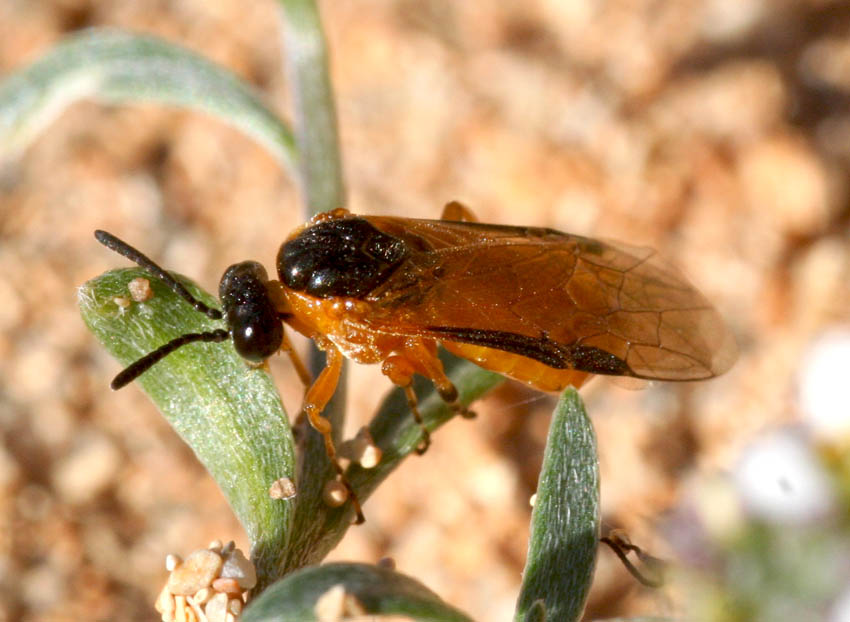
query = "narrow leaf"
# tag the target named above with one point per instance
(229, 414)
(114, 66)
(565, 521)
(348, 589)
(306, 58)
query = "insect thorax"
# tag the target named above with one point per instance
(347, 257)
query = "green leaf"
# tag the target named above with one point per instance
(319, 528)
(228, 413)
(376, 591)
(113, 66)
(536, 612)
(306, 58)
(565, 521)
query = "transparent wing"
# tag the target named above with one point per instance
(564, 300)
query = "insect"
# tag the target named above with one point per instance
(544, 307)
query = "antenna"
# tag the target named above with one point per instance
(136, 256)
(136, 369)
(133, 371)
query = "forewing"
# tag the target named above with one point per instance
(567, 301)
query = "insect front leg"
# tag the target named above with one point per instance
(297, 363)
(317, 397)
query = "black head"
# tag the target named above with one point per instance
(253, 321)
(345, 257)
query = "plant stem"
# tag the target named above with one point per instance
(321, 181)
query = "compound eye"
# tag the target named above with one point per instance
(251, 317)
(256, 335)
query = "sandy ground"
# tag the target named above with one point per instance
(714, 131)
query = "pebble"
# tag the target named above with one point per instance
(371, 457)
(202, 596)
(362, 449)
(140, 289)
(336, 605)
(335, 493)
(172, 561)
(330, 605)
(208, 587)
(165, 604)
(226, 585)
(283, 488)
(216, 608)
(237, 567)
(196, 573)
(182, 611)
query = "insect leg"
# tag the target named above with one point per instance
(277, 294)
(430, 366)
(334, 214)
(420, 356)
(297, 363)
(413, 404)
(135, 255)
(619, 543)
(317, 397)
(400, 372)
(457, 211)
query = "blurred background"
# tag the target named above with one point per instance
(717, 131)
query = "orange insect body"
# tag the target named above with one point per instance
(538, 305)
(341, 320)
(544, 307)
(524, 369)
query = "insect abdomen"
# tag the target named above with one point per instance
(524, 369)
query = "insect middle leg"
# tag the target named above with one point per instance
(424, 352)
(420, 357)
(317, 397)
